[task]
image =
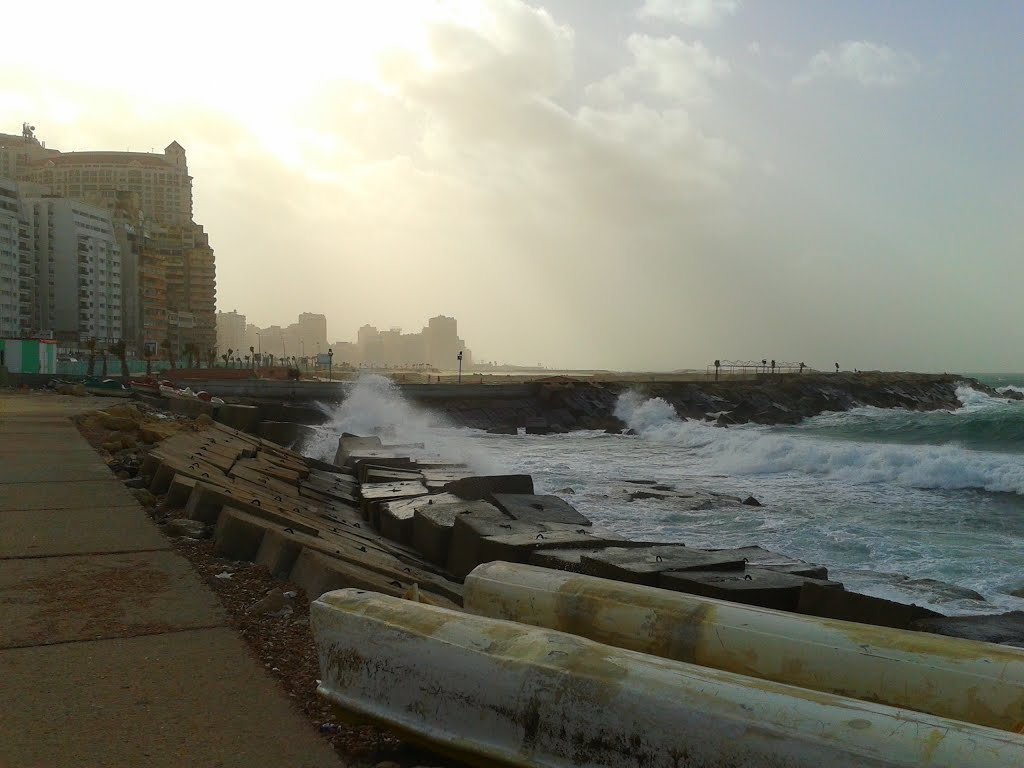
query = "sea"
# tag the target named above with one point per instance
(921, 507)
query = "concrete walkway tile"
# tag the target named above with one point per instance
(185, 699)
(49, 533)
(58, 599)
(32, 470)
(87, 493)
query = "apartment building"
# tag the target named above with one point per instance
(10, 260)
(167, 272)
(231, 333)
(161, 181)
(77, 264)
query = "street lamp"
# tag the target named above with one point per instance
(330, 361)
(460, 366)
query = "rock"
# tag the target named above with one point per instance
(122, 475)
(567, 491)
(126, 411)
(273, 602)
(142, 481)
(512, 430)
(127, 440)
(154, 432)
(144, 497)
(117, 423)
(750, 501)
(1005, 628)
(204, 420)
(111, 446)
(1018, 593)
(182, 526)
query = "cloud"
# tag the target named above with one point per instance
(663, 67)
(869, 64)
(693, 13)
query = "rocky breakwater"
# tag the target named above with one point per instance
(790, 398)
(562, 404)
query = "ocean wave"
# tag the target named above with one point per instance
(1010, 388)
(752, 450)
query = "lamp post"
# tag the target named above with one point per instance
(460, 366)
(302, 353)
(330, 362)
(259, 343)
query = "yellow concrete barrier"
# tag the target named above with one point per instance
(501, 693)
(964, 680)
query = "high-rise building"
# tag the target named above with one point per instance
(10, 261)
(161, 181)
(19, 151)
(231, 333)
(169, 277)
(77, 270)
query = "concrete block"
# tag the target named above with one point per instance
(752, 586)
(285, 433)
(562, 559)
(317, 573)
(643, 565)
(238, 535)
(468, 530)
(243, 417)
(433, 524)
(278, 552)
(517, 547)
(348, 444)
(179, 490)
(481, 487)
(190, 407)
(831, 603)
(538, 509)
(397, 517)
(759, 557)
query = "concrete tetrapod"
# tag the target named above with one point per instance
(500, 693)
(959, 679)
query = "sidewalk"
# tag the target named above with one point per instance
(112, 652)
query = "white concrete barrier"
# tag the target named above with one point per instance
(501, 693)
(959, 679)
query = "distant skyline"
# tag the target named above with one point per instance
(585, 183)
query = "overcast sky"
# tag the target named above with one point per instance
(588, 183)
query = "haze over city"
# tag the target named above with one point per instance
(591, 184)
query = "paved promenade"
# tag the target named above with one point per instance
(112, 651)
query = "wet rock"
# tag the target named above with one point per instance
(183, 526)
(566, 491)
(511, 430)
(142, 481)
(1004, 628)
(750, 501)
(1018, 593)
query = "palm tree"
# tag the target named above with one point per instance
(91, 346)
(246, 361)
(121, 350)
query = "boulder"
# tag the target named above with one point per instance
(750, 501)
(117, 423)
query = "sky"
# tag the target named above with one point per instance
(634, 185)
